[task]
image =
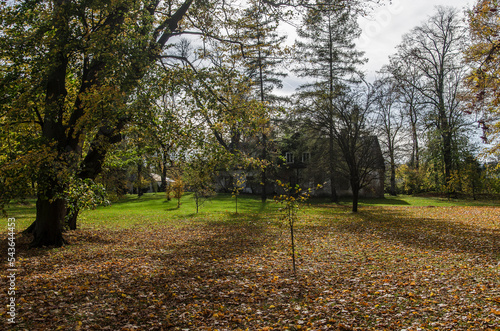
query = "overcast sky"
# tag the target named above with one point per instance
(383, 29)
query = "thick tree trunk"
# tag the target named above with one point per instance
(30, 229)
(415, 162)
(163, 166)
(49, 220)
(355, 198)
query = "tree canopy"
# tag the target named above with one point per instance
(483, 56)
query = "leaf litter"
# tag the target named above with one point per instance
(385, 268)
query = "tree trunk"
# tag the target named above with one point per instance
(393, 176)
(30, 229)
(447, 156)
(164, 172)
(355, 186)
(393, 180)
(139, 182)
(355, 198)
(263, 195)
(415, 158)
(48, 224)
(72, 220)
(331, 156)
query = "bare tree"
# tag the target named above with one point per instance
(434, 50)
(359, 148)
(408, 83)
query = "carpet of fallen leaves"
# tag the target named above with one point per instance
(392, 268)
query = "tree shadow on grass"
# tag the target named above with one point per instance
(344, 202)
(385, 201)
(426, 232)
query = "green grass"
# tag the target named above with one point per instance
(155, 208)
(133, 211)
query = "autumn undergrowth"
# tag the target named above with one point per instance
(143, 264)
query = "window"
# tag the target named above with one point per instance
(306, 156)
(289, 157)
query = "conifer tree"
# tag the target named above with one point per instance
(263, 54)
(327, 55)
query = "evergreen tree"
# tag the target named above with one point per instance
(327, 55)
(263, 55)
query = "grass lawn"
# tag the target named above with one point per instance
(409, 263)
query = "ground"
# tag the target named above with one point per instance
(145, 265)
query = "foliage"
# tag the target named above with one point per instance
(168, 191)
(75, 75)
(415, 180)
(408, 179)
(491, 182)
(178, 189)
(263, 50)
(82, 194)
(239, 181)
(482, 55)
(199, 176)
(470, 179)
(71, 75)
(16, 175)
(326, 49)
(263, 55)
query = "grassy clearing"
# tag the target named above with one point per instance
(144, 264)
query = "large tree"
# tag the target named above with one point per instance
(354, 135)
(435, 50)
(328, 57)
(71, 72)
